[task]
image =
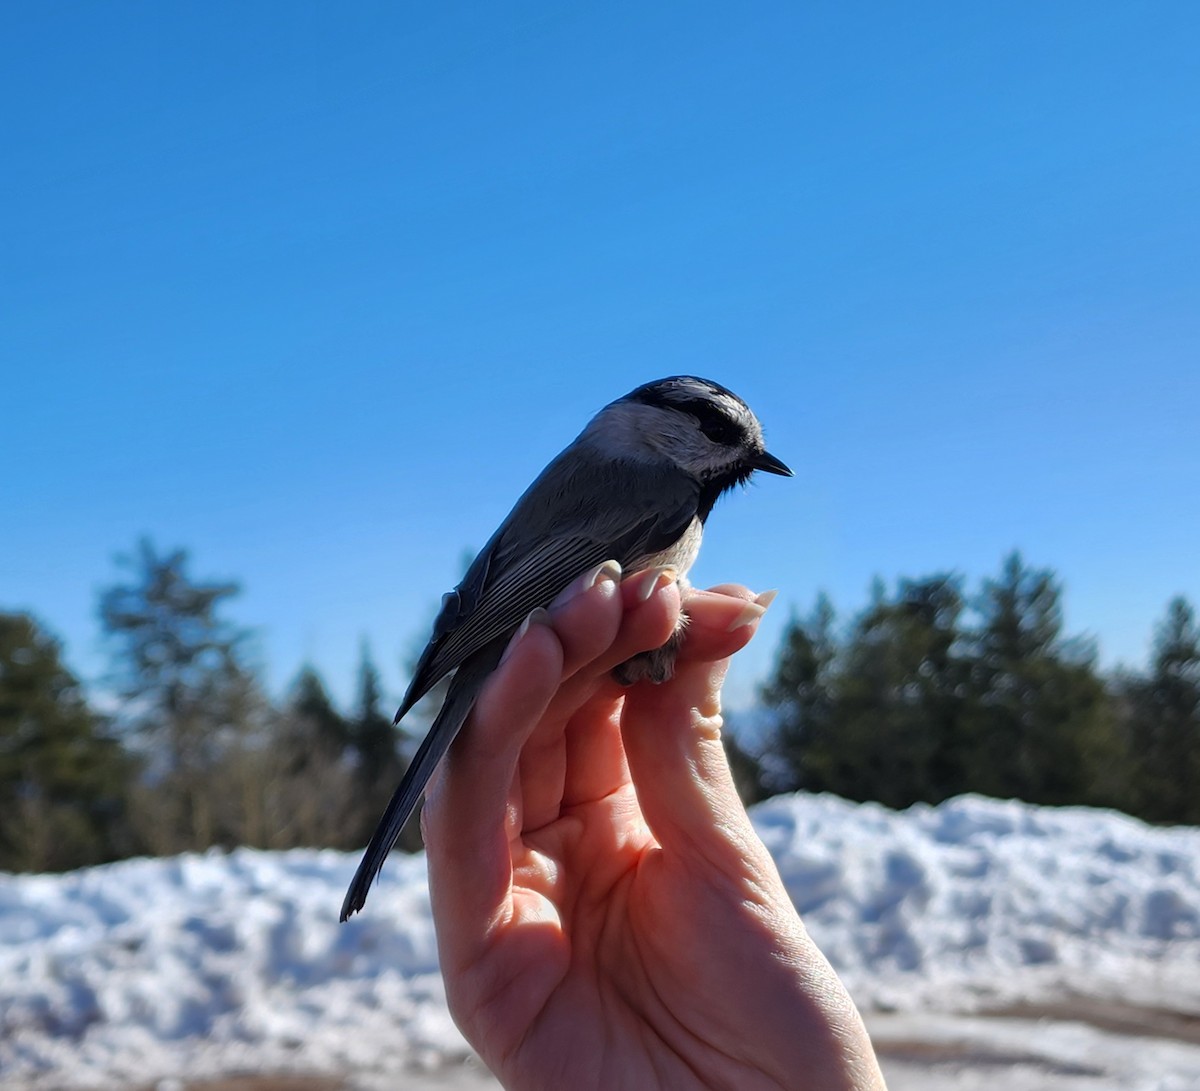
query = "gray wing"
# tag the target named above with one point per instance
(582, 510)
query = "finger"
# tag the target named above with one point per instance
(650, 611)
(651, 605)
(587, 615)
(466, 819)
(595, 755)
(575, 755)
(596, 765)
(672, 741)
(718, 621)
(586, 619)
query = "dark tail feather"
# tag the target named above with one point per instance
(464, 688)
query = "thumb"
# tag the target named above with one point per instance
(672, 739)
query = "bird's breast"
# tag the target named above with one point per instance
(680, 556)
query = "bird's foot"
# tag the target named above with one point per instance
(656, 665)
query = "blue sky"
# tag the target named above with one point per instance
(314, 291)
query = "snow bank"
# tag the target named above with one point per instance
(205, 964)
(979, 902)
(210, 963)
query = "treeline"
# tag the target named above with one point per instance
(194, 753)
(930, 692)
(926, 694)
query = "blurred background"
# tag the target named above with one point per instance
(298, 299)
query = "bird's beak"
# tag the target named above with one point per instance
(768, 462)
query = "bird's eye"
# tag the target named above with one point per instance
(723, 431)
(716, 425)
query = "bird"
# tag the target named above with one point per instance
(636, 486)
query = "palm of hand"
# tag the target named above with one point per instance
(592, 939)
(617, 966)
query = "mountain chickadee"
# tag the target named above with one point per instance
(636, 487)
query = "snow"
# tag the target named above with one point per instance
(979, 935)
(978, 901)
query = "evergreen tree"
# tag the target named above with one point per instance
(1165, 721)
(374, 744)
(804, 748)
(1040, 723)
(178, 664)
(877, 718)
(899, 696)
(917, 705)
(310, 703)
(63, 780)
(372, 735)
(308, 780)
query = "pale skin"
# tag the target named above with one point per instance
(607, 917)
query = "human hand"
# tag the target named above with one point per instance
(607, 917)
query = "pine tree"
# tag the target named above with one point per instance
(63, 780)
(899, 696)
(309, 781)
(310, 702)
(374, 743)
(1165, 728)
(191, 700)
(916, 704)
(878, 717)
(1040, 721)
(803, 750)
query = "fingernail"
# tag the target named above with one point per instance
(749, 613)
(766, 598)
(644, 584)
(609, 570)
(540, 616)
